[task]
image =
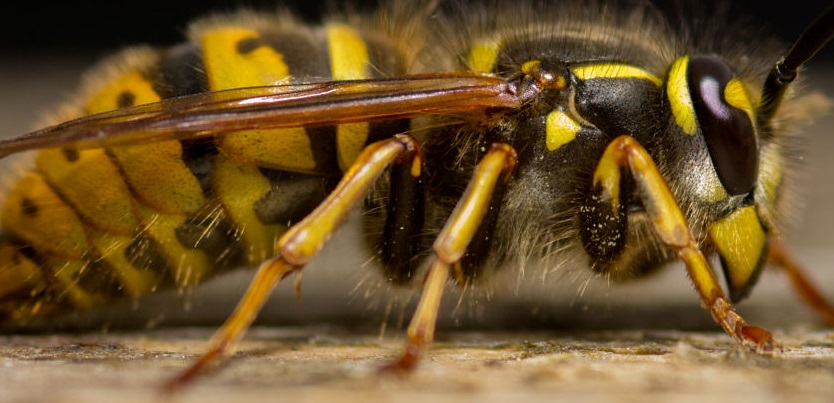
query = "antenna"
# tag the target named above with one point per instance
(814, 38)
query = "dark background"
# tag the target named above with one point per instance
(36, 27)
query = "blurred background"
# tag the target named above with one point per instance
(36, 26)
(44, 48)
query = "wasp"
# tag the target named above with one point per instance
(579, 136)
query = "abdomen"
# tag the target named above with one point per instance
(82, 227)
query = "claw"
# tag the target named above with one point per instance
(754, 338)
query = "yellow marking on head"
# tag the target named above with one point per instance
(677, 90)
(741, 241)
(560, 129)
(735, 93)
(614, 70)
(482, 57)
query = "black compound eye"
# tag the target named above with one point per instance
(718, 98)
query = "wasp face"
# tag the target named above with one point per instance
(709, 101)
(695, 118)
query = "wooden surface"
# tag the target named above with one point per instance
(318, 364)
(542, 341)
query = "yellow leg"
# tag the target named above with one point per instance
(450, 246)
(300, 243)
(224, 340)
(802, 284)
(671, 226)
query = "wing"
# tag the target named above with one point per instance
(328, 103)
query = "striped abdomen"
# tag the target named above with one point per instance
(85, 226)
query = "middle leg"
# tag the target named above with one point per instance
(493, 171)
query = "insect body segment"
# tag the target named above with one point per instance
(172, 212)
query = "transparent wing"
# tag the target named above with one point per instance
(216, 113)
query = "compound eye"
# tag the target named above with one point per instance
(725, 117)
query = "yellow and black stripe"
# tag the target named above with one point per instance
(174, 213)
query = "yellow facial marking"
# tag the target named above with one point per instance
(614, 70)
(680, 100)
(482, 57)
(560, 129)
(735, 93)
(349, 60)
(741, 241)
